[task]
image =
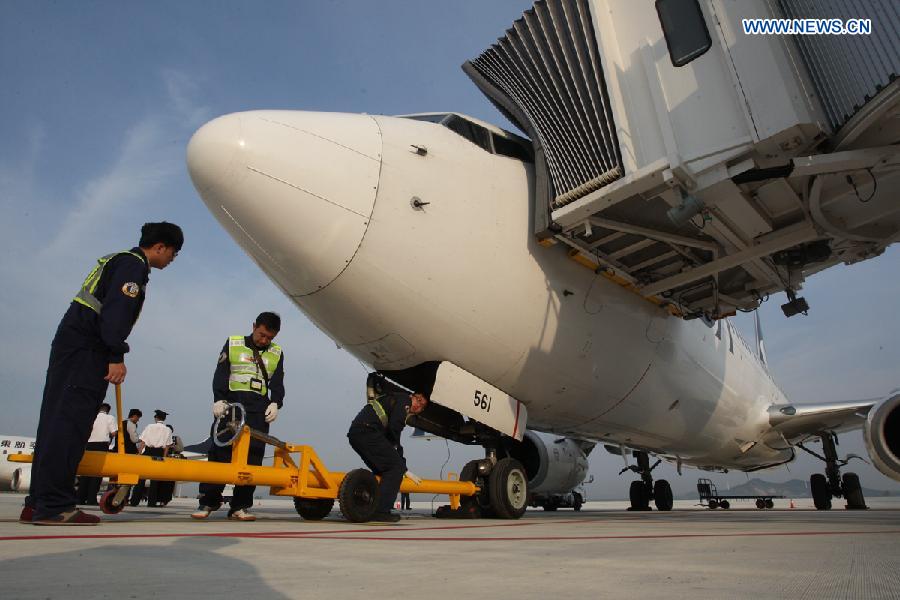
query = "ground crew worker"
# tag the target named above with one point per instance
(155, 441)
(87, 354)
(103, 431)
(129, 432)
(375, 436)
(250, 371)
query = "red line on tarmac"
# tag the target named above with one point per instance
(332, 535)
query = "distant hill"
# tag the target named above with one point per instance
(795, 488)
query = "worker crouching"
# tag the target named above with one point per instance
(375, 436)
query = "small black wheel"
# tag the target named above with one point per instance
(358, 495)
(760, 503)
(770, 503)
(479, 503)
(713, 504)
(107, 504)
(725, 504)
(313, 509)
(853, 492)
(818, 485)
(662, 495)
(508, 489)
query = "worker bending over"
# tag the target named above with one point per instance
(375, 436)
(250, 372)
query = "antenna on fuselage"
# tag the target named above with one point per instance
(760, 347)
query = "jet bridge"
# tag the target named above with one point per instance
(703, 167)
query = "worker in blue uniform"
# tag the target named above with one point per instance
(375, 436)
(86, 355)
(250, 372)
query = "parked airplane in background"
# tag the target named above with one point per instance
(450, 254)
(15, 476)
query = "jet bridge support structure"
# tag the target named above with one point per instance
(699, 166)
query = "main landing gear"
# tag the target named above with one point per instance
(832, 484)
(645, 490)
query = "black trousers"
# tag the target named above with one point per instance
(89, 487)
(73, 391)
(153, 492)
(211, 493)
(383, 459)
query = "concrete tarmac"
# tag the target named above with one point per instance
(601, 552)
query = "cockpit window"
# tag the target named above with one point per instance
(476, 134)
(481, 136)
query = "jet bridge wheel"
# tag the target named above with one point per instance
(313, 509)
(358, 495)
(508, 489)
(821, 493)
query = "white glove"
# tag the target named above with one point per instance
(414, 478)
(271, 412)
(219, 408)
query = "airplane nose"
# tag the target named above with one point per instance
(294, 189)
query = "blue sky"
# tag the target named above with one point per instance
(97, 103)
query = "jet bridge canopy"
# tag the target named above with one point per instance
(710, 185)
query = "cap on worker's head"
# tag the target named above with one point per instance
(160, 414)
(134, 412)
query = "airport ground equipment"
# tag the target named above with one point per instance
(296, 471)
(712, 499)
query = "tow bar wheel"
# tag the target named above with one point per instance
(508, 489)
(358, 495)
(108, 502)
(313, 509)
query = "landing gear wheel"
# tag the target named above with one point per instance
(108, 502)
(358, 495)
(579, 501)
(760, 503)
(725, 504)
(476, 505)
(508, 489)
(313, 509)
(662, 495)
(770, 503)
(713, 504)
(853, 492)
(821, 494)
(639, 494)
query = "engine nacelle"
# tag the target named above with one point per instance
(882, 434)
(21, 479)
(553, 468)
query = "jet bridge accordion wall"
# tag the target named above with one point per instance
(546, 76)
(848, 70)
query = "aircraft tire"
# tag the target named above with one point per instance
(662, 495)
(313, 509)
(853, 492)
(579, 501)
(508, 489)
(639, 494)
(818, 485)
(770, 503)
(478, 503)
(358, 495)
(760, 503)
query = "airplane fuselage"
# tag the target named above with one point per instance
(406, 242)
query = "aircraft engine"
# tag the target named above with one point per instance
(555, 467)
(882, 435)
(21, 479)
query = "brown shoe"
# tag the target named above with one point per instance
(26, 514)
(71, 517)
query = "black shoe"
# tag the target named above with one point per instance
(388, 517)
